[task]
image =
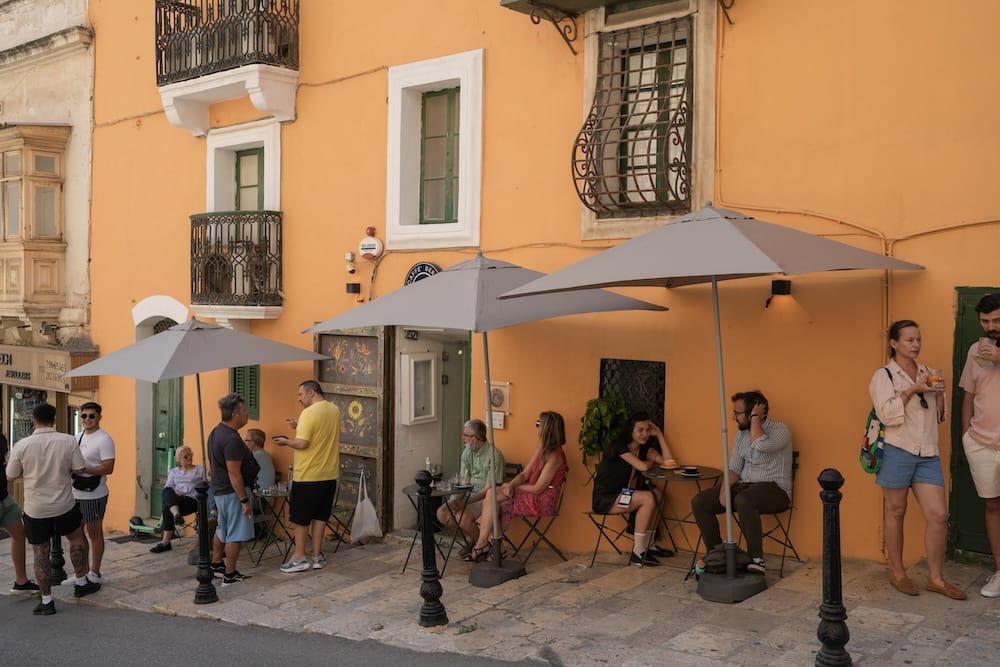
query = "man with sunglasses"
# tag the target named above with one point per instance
(760, 477)
(98, 451)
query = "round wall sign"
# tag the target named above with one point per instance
(421, 270)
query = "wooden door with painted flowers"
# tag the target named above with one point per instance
(355, 380)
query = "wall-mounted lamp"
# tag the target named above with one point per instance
(779, 288)
(48, 328)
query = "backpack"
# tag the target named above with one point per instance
(714, 561)
(873, 440)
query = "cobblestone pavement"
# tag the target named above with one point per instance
(565, 613)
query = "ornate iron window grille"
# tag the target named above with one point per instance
(199, 37)
(632, 157)
(236, 258)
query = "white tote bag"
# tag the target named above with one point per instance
(365, 523)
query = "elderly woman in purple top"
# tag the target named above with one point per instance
(178, 496)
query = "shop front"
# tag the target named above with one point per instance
(30, 376)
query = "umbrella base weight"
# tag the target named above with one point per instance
(487, 575)
(720, 588)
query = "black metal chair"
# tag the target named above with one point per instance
(538, 526)
(779, 533)
(606, 532)
(344, 503)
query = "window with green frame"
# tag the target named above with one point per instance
(249, 180)
(245, 381)
(632, 157)
(439, 157)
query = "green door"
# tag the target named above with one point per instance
(966, 528)
(168, 434)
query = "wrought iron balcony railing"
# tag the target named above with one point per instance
(199, 37)
(236, 258)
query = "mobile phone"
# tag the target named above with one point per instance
(275, 437)
(625, 499)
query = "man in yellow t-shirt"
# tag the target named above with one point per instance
(316, 468)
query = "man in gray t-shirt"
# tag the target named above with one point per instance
(255, 441)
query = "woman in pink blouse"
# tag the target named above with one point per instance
(909, 399)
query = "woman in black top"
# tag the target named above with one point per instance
(619, 487)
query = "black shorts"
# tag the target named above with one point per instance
(311, 501)
(40, 531)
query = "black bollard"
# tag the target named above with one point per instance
(832, 631)
(205, 593)
(432, 612)
(57, 562)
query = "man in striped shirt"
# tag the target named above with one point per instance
(760, 476)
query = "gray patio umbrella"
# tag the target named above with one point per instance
(464, 296)
(192, 348)
(709, 245)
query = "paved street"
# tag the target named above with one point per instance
(560, 613)
(154, 640)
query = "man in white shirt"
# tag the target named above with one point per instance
(90, 486)
(46, 460)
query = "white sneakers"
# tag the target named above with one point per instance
(992, 587)
(296, 566)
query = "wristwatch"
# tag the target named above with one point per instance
(244, 500)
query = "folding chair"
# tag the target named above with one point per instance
(538, 526)
(606, 532)
(779, 533)
(510, 471)
(344, 504)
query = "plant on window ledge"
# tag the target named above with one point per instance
(600, 423)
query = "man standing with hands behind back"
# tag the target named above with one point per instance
(981, 424)
(316, 467)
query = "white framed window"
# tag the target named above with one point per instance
(646, 149)
(419, 382)
(222, 146)
(408, 84)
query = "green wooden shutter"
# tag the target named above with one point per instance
(245, 381)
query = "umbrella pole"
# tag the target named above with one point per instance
(726, 587)
(201, 424)
(722, 410)
(486, 575)
(493, 462)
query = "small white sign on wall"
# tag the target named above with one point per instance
(498, 420)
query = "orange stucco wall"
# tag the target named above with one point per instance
(868, 122)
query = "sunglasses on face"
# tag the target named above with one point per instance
(88, 415)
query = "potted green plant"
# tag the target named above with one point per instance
(601, 421)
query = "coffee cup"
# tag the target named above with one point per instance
(691, 470)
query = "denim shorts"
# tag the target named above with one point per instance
(234, 525)
(10, 512)
(901, 469)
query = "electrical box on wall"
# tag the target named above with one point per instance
(419, 379)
